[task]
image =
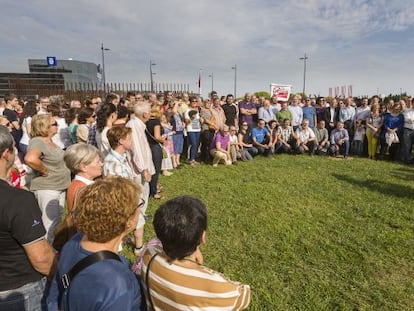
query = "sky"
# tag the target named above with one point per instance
(366, 44)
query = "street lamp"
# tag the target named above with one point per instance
(199, 81)
(103, 49)
(235, 80)
(152, 75)
(304, 72)
(212, 81)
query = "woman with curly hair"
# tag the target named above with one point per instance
(103, 221)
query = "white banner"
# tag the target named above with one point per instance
(281, 91)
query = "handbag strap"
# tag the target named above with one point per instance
(147, 282)
(84, 263)
(152, 136)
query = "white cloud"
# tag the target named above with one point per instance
(346, 41)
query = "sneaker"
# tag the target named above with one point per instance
(215, 165)
(157, 196)
(167, 173)
(138, 250)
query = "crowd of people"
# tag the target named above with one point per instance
(99, 161)
(102, 160)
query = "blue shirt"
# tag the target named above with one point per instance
(259, 134)
(309, 112)
(105, 285)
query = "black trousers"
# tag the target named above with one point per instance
(156, 151)
(205, 139)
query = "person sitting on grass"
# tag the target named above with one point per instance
(261, 138)
(339, 140)
(173, 274)
(273, 126)
(305, 141)
(286, 137)
(246, 143)
(220, 147)
(235, 148)
(322, 138)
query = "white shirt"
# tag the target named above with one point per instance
(409, 118)
(62, 137)
(194, 125)
(140, 155)
(297, 115)
(25, 137)
(86, 181)
(304, 135)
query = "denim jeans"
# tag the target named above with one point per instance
(194, 138)
(344, 148)
(29, 297)
(407, 144)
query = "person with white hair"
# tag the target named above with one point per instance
(141, 157)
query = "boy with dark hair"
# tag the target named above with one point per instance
(173, 274)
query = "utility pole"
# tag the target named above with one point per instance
(212, 81)
(235, 80)
(152, 75)
(103, 49)
(304, 58)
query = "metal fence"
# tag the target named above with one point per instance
(27, 88)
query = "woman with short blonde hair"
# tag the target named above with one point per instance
(85, 162)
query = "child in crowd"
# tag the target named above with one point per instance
(359, 135)
(234, 145)
(168, 149)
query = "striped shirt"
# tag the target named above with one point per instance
(184, 285)
(116, 164)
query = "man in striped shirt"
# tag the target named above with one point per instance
(173, 275)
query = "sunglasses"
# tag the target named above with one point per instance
(141, 203)
(54, 124)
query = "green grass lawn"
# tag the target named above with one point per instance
(308, 233)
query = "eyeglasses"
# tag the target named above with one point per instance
(54, 124)
(244, 124)
(93, 116)
(7, 124)
(141, 203)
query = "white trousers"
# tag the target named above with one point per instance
(145, 191)
(51, 203)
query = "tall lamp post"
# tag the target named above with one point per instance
(212, 81)
(235, 80)
(152, 75)
(304, 58)
(103, 49)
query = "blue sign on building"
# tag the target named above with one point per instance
(51, 61)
